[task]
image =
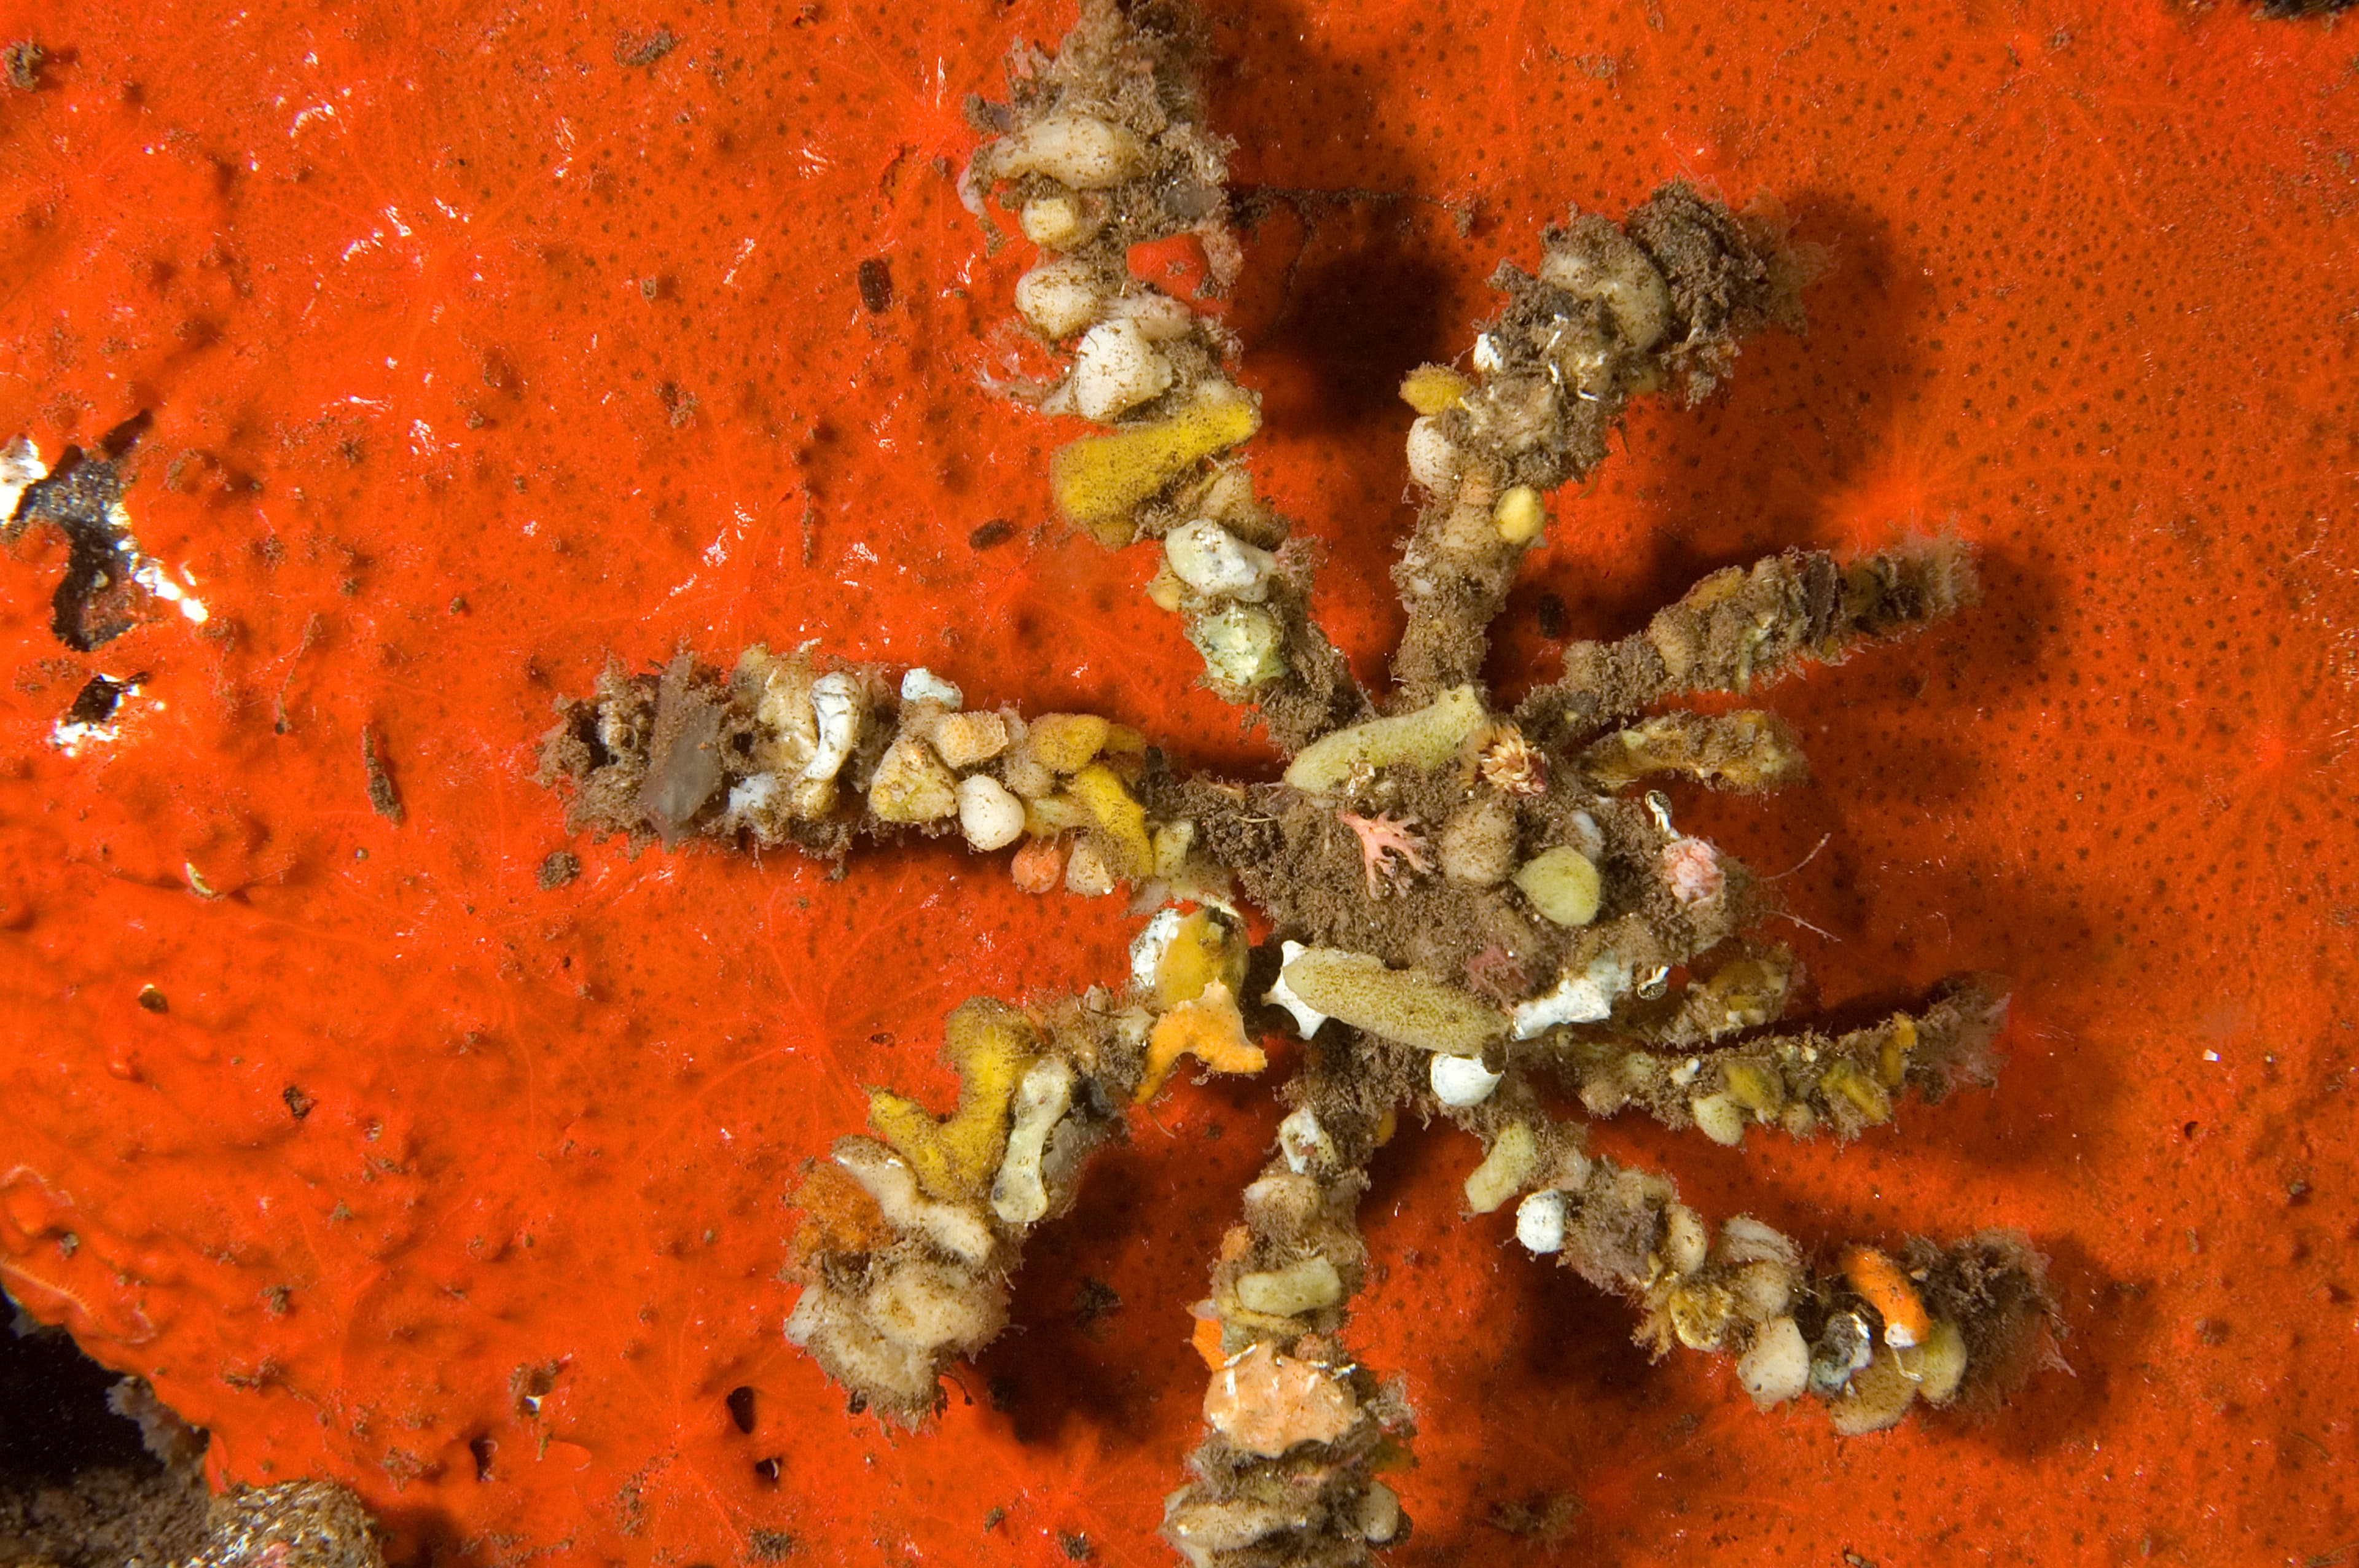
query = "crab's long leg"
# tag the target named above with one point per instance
(1800, 1081)
(1867, 1337)
(1104, 150)
(1660, 300)
(1297, 1433)
(1746, 625)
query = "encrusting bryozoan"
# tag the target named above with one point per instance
(1463, 902)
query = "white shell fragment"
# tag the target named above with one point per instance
(1306, 1019)
(20, 469)
(990, 816)
(1115, 370)
(921, 685)
(1539, 1222)
(1462, 1080)
(1214, 561)
(1146, 948)
(1304, 1143)
(836, 704)
(1617, 274)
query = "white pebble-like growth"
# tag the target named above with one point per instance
(1720, 1118)
(990, 814)
(1777, 1367)
(1462, 1080)
(1214, 561)
(1059, 298)
(1079, 150)
(1432, 460)
(1539, 1222)
(1115, 370)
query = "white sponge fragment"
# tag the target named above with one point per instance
(989, 814)
(1539, 1222)
(921, 685)
(1306, 1018)
(1462, 1080)
(1115, 370)
(1215, 562)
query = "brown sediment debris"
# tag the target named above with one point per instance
(384, 798)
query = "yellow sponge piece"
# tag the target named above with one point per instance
(990, 1043)
(1101, 480)
(1210, 1029)
(1099, 788)
(1430, 389)
(1205, 951)
(1066, 742)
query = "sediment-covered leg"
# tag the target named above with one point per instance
(1746, 625)
(1102, 149)
(1298, 1433)
(1614, 310)
(1867, 1337)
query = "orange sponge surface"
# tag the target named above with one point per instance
(479, 344)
